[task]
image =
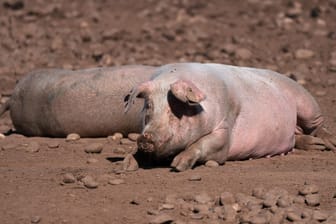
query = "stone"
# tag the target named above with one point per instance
(312, 200)
(35, 219)
(202, 198)
(89, 182)
(259, 192)
(69, 178)
(116, 181)
(320, 216)
(243, 53)
(166, 207)
(126, 141)
(33, 147)
(94, 148)
(72, 137)
(2, 136)
(161, 219)
(227, 198)
(53, 145)
(133, 136)
(303, 54)
(195, 177)
(211, 163)
(293, 216)
(91, 160)
(129, 163)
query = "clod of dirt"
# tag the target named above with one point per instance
(116, 181)
(35, 219)
(211, 163)
(303, 54)
(33, 147)
(72, 137)
(129, 163)
(312, 199)
(309, 189)
(53, 145)
(119, 150)
(195, 177)
(89, 182)
(161, 219)
(94, 148)
(2, 136)
(320, 92)
(133, 136)
(69, 178)
(284, 201)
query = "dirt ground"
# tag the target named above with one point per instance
(296, 38)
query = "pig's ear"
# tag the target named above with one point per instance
(187, 92)
(140, 91)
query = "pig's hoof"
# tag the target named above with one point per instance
(308, 142)
(328, 138)
(183, 161)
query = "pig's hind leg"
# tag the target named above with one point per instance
(310, 133)
(213, 146)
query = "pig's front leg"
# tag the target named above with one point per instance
(213, 146)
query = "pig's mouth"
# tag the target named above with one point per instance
(148, 144)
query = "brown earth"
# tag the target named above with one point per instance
(82, 34)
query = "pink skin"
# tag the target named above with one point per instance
(200, 112)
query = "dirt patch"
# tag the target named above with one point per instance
(295, 38)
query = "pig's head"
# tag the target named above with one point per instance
(171, 113)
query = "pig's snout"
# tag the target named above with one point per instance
(146, 143)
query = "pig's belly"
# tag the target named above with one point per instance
(263, 128)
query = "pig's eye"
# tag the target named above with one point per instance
(189, 89)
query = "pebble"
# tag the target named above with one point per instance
(126, 141)
(226, 198)
(35, 219)
(133, 136)
(309, 189)
(119, 150)
(303, 54)
(321, 93)
(129, 163)
(33, 147)
(312, 200)
(2, 136)
(259, 192)
(89, 182)
(94, 148)
(284, 202)
(293, 216)
(320, 216)
(53, 145)
(243, 53)
(116, 181)
(211, 163)
(202, 198)
(72, 137)
(195, 177)
(161, 219)
(91, 160)
(116, 136)
(69, 178)
(167, 207)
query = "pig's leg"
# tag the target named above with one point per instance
(212, 146)
(317, 139)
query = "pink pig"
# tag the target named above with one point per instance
(198, 112)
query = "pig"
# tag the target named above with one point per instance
(196, 112)
(89, 102)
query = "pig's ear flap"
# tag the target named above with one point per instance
(140, 91)
(187, 92)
